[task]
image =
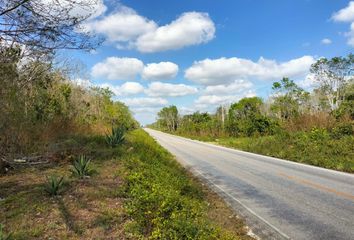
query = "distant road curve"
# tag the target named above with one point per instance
(279, 199)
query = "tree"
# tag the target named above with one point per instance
(168, 118)
(332, 76)
(245, 118)
(288, 99)
(43, 26)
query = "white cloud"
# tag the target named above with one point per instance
(190, 28)
(144, 102)
(122, 25)
(216, 100)
(79, 8)
(128, 88)
(350, 35)
(127, 29)
(226, 70)
(326, 41)
(346, 14)
(114, 68)
(308, 82)
(159, 89)
(160, 71)
(235, 87)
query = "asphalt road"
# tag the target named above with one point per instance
(279, 199)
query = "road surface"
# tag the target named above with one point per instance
(279, 199)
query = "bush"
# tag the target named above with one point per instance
(319, 134)
(82, 167)
(54, 185)
(344, 129)
(116, 137)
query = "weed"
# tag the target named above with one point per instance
(54, 185)
(116, 137)
(82, 167)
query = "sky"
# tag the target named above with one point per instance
(200, 54)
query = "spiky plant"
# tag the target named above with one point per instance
(82, 167)
(53, 185)
(116, 137)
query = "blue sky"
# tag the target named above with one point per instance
(198, 54)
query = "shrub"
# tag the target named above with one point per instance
(116, 137)
(82, 167)
(53, 185)
(319, 134)
(344, 129)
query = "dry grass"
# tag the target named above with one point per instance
(88, 209)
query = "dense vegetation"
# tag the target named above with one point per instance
(310, 127)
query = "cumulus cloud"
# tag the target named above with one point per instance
(190, 28)
(226, 70)
(121, 26)
(144, 102)
(159, 89)
(216, 100)
(346, 15)
(235, 87)
(326, 41)
(127, 29)
(114, 68)
(160, 71)
(128, 88)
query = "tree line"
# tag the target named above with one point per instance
(289, 108)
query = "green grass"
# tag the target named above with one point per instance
(318, 147)
(163, 200)
(327, 152)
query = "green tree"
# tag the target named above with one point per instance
(245, 118)
(288, 99)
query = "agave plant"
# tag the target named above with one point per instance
(54, 185)
(116, 137)
(82, 167)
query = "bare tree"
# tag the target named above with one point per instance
(43, 26)
(333, 75)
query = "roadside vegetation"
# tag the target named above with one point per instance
(314, 127)
(137, 191)
(73, 162)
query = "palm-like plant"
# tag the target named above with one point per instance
(82, 167)
(116, 137)
(54, 185)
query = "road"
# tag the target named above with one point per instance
(279, 199)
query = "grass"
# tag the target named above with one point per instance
(337, 154)
(139, 191)
(317, 147)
